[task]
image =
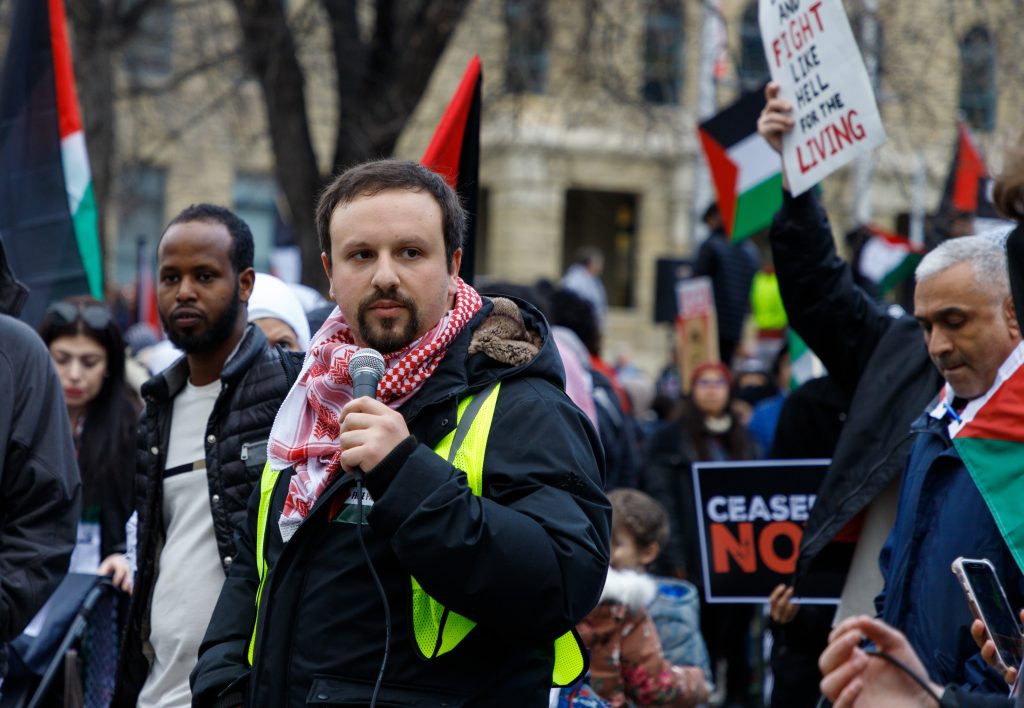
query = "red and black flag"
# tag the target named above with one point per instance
(968, 187)
(47, 208)
(145, 288)
(454, 152)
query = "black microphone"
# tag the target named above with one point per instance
(366, 368)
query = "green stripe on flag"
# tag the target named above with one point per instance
(756, 207)
(997, 468)
(900, 273)
(88, 237)
(804, 365)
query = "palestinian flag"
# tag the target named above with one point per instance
(47, 209)
(989, 438)
(887, 259)
(454, 152)
(969, 185)
(804, 364)
(746, 171)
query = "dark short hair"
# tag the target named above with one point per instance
(710, 212)
(640, 515)
(571, 310)
(370, 178)
(585, 255)
(241, 237)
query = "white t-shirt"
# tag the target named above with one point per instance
(189, 572)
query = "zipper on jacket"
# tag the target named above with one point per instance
(261, 640)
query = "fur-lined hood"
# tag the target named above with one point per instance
(504, 335)
(627, 587)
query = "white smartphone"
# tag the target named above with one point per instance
(988, 603)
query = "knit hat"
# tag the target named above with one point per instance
(271, 297)
(710, 366)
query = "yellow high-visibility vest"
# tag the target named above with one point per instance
(436, 629)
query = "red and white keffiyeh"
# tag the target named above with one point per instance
(306, 430)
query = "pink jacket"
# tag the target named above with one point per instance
(626, 661)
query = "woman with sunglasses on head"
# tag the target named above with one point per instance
(88, 351)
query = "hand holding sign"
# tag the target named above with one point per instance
(814, 59)
(775, 121)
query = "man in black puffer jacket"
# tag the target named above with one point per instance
(202, 446)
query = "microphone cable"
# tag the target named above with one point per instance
(358, 474)
(908, 671)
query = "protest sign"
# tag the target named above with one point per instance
(696, 327)
(814, 58)
(751, 517)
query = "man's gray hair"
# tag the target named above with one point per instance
(986, 254)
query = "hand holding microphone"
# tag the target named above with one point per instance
(369, 429)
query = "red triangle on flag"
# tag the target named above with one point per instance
(724, 174)
(445, 149)
(454, 153)
(970, 170)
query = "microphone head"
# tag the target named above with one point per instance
(367, 359)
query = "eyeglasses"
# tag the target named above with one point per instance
(711, 383)
(95, 316)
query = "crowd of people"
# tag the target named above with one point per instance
(511, 518)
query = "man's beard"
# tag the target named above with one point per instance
(213, 336)
(384, 334)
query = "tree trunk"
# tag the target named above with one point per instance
(408, 40)
(271, 55)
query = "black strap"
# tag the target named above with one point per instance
(291, 372)
(468, 416)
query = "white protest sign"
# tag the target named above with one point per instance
(815, 60)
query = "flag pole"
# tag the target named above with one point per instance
(707, 102)
(917, 204)
(864, 166)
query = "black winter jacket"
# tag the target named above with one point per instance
(526, 561)
(40, 493)
(254, 381)
(668, 477)
(731, 267)
(878, 361)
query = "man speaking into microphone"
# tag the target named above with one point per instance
(482, 515)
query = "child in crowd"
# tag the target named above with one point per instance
(628, 664)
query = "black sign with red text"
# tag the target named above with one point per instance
(751, 517)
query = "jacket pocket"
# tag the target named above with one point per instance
(337, 691)
(254, 454)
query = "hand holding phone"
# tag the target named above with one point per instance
(988, 604)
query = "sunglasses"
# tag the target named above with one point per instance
(95, 316)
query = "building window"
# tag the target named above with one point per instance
(753, 64)
(607, 221)
(978, 79)
(663, 51)
(255, 199)
(140, 217)
(149, 54)
(526, 68)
